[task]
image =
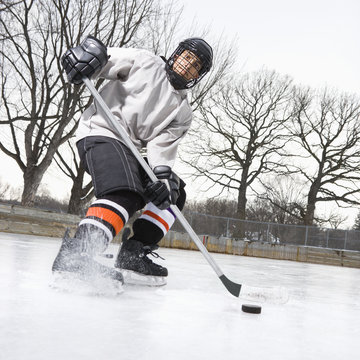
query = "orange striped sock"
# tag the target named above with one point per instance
(106, 215)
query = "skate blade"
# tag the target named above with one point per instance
(69, 282)
(134, 278)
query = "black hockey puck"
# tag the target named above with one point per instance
(252, 309)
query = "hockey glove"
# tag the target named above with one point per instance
(84, 60)
(164, 192)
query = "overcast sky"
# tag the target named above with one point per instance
(314, 41)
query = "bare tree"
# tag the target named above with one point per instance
(135, 29)
(240, 133)
(82, 190)
(7, 3)
(39, 109)
(4, 189)
(161, 31)
(213, 206)
(221, 72)
(336, 220)
(162, 28)
(356, 225)
(325, 132)
(155, 33)
(281, 200)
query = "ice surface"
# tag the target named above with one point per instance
(193, 317)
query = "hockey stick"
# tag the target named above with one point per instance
(231, 286)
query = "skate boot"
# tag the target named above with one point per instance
(135, 265)
(72, 259)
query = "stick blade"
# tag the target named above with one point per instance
(231, 286)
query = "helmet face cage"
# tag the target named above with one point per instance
(198, 47)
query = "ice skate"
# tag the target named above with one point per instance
(72, 261)
(135, 265)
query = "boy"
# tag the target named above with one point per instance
(147, 95)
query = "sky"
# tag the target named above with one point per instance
(315, 42)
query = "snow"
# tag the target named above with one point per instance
(192, 317)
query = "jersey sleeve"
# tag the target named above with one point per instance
(119, 64)
(162, 149)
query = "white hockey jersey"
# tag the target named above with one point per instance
(138, 93)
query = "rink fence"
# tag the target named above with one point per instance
(220, 235)
(272, 233)
(310, 254)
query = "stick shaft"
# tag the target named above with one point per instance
(124, 136)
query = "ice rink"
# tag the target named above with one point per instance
(193, 317)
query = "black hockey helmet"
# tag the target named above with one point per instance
(202, 50)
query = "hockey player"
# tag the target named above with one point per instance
(147, 95)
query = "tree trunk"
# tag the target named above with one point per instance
(241, 205)
(310, 207)
(32, 179)
(310, 213)
(239, 231)
(79, 196)
(74, 206)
